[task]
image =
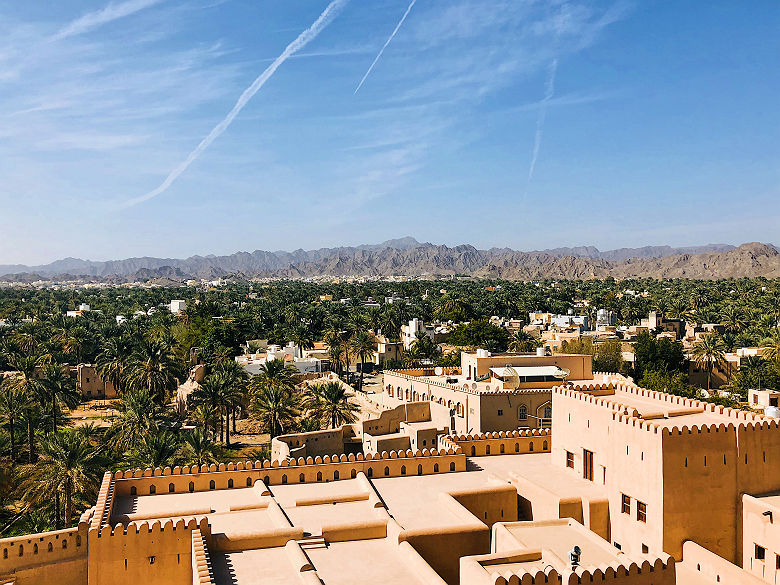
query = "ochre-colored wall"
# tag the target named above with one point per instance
(28, 558)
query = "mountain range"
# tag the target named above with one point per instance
(408, 257)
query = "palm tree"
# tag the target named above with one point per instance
(275, 407)
(139, 415)
(59, 389)
(336, 353)
(156, 449)
(29, 384)
(113, 361)
(275, 374)
(522, 341)
(772, 345)
(209, 394)
(12, 405)
(155, 368)
(708, 352)
(197, 448)
(68, 465)
(331, 403)
(363, 345)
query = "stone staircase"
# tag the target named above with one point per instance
(312, 542)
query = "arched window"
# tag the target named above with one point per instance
(544, 446)
(403, 470)
(517, 447)
(230, 483)
(5, 551)
(319, 476)
(353, 474)
(266, 480)
(212, 485)
(192, 486)
(133, 490)
(35, 549)
(419, 469)
(302, 478)
(336, 475)
(452, 466)
(370, 472)
(49, 548)
(436, 468)
(531, 446)
(387, 471)
(152, 489)
(522, 412)
(501, 448)
(171, 488)
(284, 479)
(547, 412)
(64, 544)
(21, 549)
(473, 451)
(487, 450)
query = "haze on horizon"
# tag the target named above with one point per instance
(501, 123)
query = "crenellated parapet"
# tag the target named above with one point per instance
(501, 442)
(548, 576)
(662, 569)
(202, 573)
(182, 479)
(56, 546)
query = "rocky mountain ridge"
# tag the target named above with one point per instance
(408, 257)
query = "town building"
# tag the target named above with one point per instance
(177, 306)
(91, 385)
(489, 392)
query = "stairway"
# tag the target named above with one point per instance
(312, 542)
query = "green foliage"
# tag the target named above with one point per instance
(480, 334)
(657, 354)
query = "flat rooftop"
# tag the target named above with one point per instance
(664, 414)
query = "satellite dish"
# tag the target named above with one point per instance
(563, 374)
(514, 378)
(439, 370)
(474, 386)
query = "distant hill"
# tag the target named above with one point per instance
(407, 256)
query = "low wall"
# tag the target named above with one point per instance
(500, 443)
(711, 568)
(309, 470)
(59, 556)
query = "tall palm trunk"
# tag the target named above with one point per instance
(235, 415)
(227, 426)
(30, 440)
(54, 413)
(13, 440)
(68, 503)
(56, 510)
(362, 367)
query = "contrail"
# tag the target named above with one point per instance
(303, 39)
(98, 18)
(548, 95)
(387, 42)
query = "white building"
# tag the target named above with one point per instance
(178, 306)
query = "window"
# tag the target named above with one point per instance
(500, 412)
(547, 412)
(617, 545)
(171, 488)
(777, 562)
(522, 412)
(212, 485)
(625, 504)
(641, 511)
(133, 490)
(645, 549)
(452, 466)
(570, 459)
(760, 553)
(230, 483)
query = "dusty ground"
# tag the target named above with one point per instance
(97, 412)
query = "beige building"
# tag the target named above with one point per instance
(91, 385)
(630, 487)
(489, 392)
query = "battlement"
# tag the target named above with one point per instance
(55, 546)
(202, 573)
(545, 577)
(501, 442)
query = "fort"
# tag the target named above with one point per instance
(628, 486)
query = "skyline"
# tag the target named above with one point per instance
(622, 124)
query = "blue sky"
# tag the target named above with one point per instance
(528, 124)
